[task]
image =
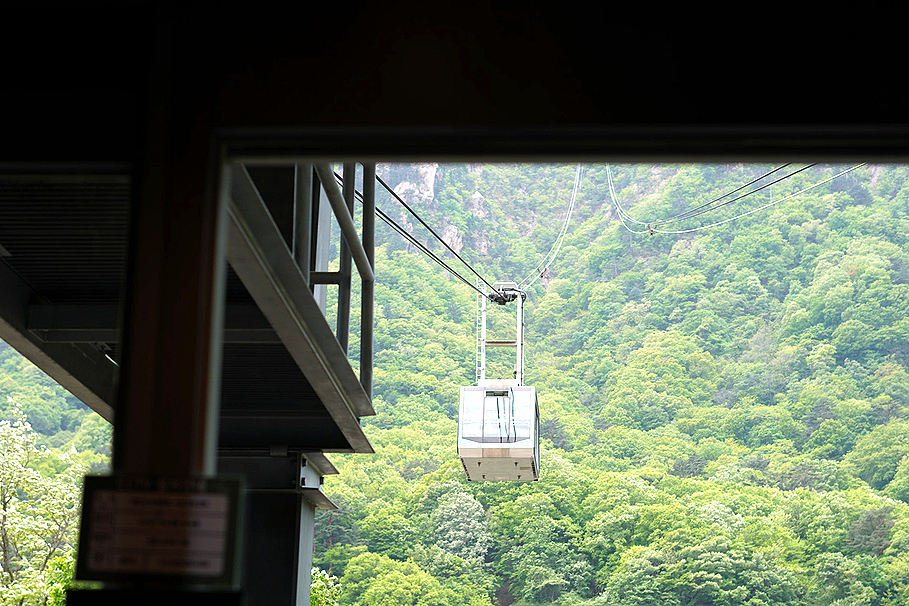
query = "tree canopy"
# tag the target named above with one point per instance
(724, 410)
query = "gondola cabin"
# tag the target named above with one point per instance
(499, 432)
(499, 420)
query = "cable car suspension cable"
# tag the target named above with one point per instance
(765, 206)
(694, 211)
(410, 238)
(432, 231)
(623, 215)
(703, 208)
(652, 230)
(745, 195)
(557, 245)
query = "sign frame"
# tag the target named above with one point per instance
(111, 491)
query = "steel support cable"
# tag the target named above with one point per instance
(557, 245)
(619, 210)
(410, 238)
(699, 210)
(649, 229)
(403, 232)
(423, 248)
(693, 211)
(432, 231)
(727, 202)
(768, 205)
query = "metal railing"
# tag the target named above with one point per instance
(311, 238)
(353, 251)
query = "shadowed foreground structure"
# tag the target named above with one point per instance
(137, 158)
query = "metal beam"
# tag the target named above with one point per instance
(261, 259)
(84, 323)
(89, 323)
(283, 490)
(342, 329)
(501, 342)
(261, 428)
(572, 143)
(175, 281)
(302, 247)
(325, 277)
(345, 220)
(86, 373)
(367, 302)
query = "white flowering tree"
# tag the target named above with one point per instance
(325, 589)
(39, 512)
(460, 526)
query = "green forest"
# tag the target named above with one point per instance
(723, 408)
(48, 441)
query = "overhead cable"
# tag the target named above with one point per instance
(650, 229)
(694, 211)
(432, 231)
(623, 215)
(698, 210)
(411, 239)
(736, 199)
(760, 208)
(407, 236)
(544, 265)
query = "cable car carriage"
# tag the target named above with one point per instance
(499, 420)
(498, 433)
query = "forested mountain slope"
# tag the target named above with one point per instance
(724, 410)
(48, 441)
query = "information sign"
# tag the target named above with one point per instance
(162, 528)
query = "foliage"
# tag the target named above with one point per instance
(49, 441)
(725, 413)
(324, 589)
(38, 515)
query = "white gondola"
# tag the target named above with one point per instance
(499, 420)
(498, 433)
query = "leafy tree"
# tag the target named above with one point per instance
(554, 430)
(376, 579)
(335, 559)
(38, 515)
(837, 582)
(335, 530)
(877, 455)
(95, 434)
(387, 530)
(815, 474)
(706, 573)
(324, 589)
(460, 528)
(898, 488)
(455, 573)
(871, 531)
(831, 440)
(692, 466)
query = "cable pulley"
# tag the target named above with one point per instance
(506, 294)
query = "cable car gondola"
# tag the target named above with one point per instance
(499, 420)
